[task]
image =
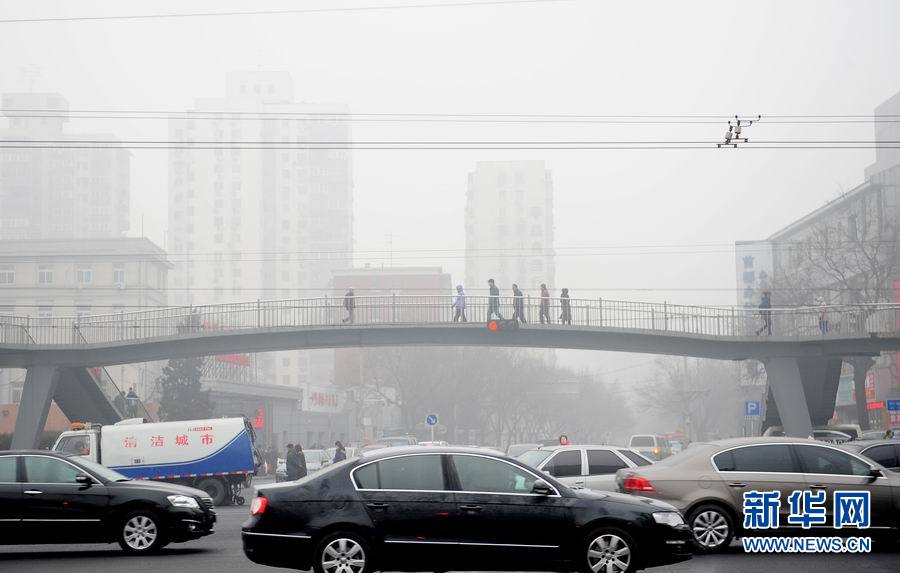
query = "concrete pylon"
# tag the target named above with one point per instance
(37, 394)
(861, 366)
(802, 391)
(786, 387)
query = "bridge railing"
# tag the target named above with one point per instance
(413, 310)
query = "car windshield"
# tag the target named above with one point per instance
(534, 458)
(314, 456)
(642, 442)
(102, 472)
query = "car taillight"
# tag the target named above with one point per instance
(637, 484)
(258, 505)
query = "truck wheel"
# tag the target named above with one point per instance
(215, 489)
(141, 532)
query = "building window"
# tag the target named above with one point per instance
(84, 275)
(7, 275)
(45, 275)
(119, 275)
(82, 311)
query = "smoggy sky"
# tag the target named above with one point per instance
(645, 225)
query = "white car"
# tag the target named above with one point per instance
(591, 467)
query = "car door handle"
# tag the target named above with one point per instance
(818, 486)
(378, 506)
(471, 508)
(33, 492)
(737, 484)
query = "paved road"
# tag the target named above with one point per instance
(221, 553)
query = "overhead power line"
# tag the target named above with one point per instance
(284, 12)
(469, 118)
(349, 143)
(522, 147)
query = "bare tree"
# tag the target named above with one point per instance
(850, 256)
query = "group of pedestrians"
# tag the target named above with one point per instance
(459, 304)
(295, 461)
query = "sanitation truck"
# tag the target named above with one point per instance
(215, 455)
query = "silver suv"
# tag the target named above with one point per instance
(591, 467)
(706, 482)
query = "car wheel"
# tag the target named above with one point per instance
(141, 532)
(215, 489)
(608, 550)
(342, 552)
(712, 528)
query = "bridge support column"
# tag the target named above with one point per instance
(802, 391)
(37, 394)
(861, 366)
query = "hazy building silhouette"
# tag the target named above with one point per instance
(247, 223)
(53, 192)
(509, 227)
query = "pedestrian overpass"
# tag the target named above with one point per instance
(802, 357)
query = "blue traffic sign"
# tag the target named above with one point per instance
(893, 405)
(431, 419)
(751, 408)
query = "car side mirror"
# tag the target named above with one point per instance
(875, 473)
(541, 487)
(84, 479)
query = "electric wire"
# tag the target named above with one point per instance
(283, 12)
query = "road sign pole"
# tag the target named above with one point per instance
(432, 435)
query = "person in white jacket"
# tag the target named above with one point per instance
(459, 304)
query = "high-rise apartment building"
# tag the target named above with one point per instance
(260, 216)
(509, 226)
(51, 191)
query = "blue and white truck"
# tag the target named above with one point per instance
(215, 455)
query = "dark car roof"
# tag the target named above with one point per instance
(400, 450)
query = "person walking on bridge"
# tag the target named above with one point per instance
(459, 304)
(765, 311)
(566, 316)
(518, 304)
(350, 306)
(493, 301)
(545, 304)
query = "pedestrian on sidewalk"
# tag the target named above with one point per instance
(340, 454)
(518, 304)
(131, 402)
(292, 463)
(301, 461)
(493, 300)
(545, 304)
(566, 316)
(459, 305)
(350, 306)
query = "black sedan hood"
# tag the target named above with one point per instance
(160, 487)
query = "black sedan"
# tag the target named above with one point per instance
(47, 497)
(447, 509)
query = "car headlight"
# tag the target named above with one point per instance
(183, 501)
(670, 518)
